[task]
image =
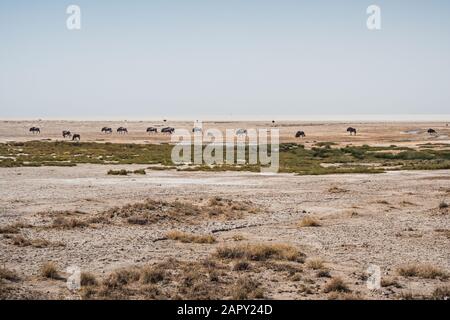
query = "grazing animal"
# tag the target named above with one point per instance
(66, 134)
(351, 130)
(300, 134)
(122, 130)
(168, 130)
(35, 130)
(76, 137)
(152, 129)
(241, 132)
(431, 131)
(196, 129)
(106, 130)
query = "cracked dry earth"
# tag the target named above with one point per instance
(389, 220)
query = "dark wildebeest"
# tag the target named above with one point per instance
(35, 130)
(241, 132)
(106, 130)
(300, 134)
(66, 134)
(168, 130)
(122, 130)
(76, 136)
(196, 129)
(431, 131)
(351, 130)
(152, 129)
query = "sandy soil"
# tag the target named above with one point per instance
(372, 133)
(387, 219)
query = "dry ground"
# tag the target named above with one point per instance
(226, 235)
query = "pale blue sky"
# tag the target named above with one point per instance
(174, 58)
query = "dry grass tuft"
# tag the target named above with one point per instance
(336, 285)
(122, 277)
(14, 228)
(315, 264)
(151, 274)
(10, 275)
(443, 205)
(309, 222)
(88, 279)
(190, 238)
(344, 296)
(390, 282)
(154, 211)
(50, 270)
(241, 265)
(68, 223)
(238, 237)
(9, 230)
(137, 220)
(442, 293)
(335, 189)
(260, 252)
(247, 288)
(21, 241)
(424, 271)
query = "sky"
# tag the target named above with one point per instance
(223, 59)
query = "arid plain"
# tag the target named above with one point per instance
(163, 233)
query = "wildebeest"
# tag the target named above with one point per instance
(241, 132)
(196, 129)
(300, 134)
(35, 130)
(168, 130)
(431, 131)
(152, 129)
(66, 134)
(122, 130)
(106, 130)
(351, 130)
(76, 136)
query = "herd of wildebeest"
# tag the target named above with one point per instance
(170, 130)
